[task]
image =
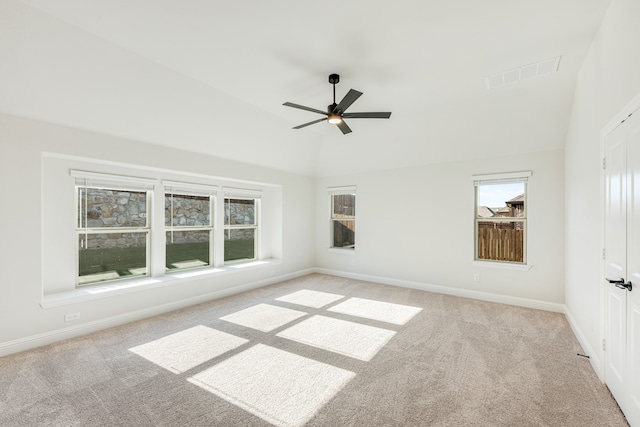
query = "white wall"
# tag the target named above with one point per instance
(136, 110)
(59, 73)
(608, 81)
(416, 225)
(22, 143)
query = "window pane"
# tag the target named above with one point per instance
(501, 241)
(344, 206)
(240, 212)
(187, 249)
(239, 243)
(501, 200)
(344, 232)
(100, 208)
(187, 211)
(108, 256)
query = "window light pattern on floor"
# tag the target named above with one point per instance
(309, 298)
(187, 349)
(264, 317)
(351, 339)
(280, 387)
(376, 310)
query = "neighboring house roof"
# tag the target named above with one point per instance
(517, 200)
(503, 209)
(485, 212)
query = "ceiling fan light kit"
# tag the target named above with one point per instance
(336, 112)
(334, 119)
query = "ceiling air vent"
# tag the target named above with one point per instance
(525, 72)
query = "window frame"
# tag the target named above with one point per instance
(155, 229)
(341, 191)
(211, 228)
(87, 180)
(498, 179)
(242, 194)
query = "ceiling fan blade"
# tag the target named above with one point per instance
(343, 127)
(302, 107)
(367, 115)
(348, 99)
(310, 123)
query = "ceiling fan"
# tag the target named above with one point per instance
(336, 112)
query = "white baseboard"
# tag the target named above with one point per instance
(594, 356)
(33, 341)
(465, 293)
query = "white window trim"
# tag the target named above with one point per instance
(502, 178)
(334, 191)
(189, 188)
(119, 181)
(156, 189)
(348, 189)
(502, 265)
(84, 179)
(119, 287)
(344, 251)
(199, 191)
(243, 194)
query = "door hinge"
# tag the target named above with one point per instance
(604, 345)
(604, 254)
(604, 163)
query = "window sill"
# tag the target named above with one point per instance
(348, 251)
(88, 293)
(502, 265)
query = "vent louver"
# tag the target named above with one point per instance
(525, 72)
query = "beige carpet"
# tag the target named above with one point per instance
(315, 351)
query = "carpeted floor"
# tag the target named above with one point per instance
(315, 351)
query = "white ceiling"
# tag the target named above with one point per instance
(211, 76)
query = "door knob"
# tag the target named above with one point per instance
(615, 282)
(626, 286)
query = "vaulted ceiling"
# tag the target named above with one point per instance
(211, 76)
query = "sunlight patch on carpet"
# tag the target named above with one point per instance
(187, 349)
(310, 298)
(280, 387)
(351, 339)
(264, 317)
(377, 310)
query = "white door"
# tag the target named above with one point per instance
(616, 261)
(622, 266)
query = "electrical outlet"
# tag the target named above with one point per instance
(71, 316)
(476, 277)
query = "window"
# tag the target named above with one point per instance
(112, 229)
(120, 232)
(501, 217)
(241, 213)
(189, 226)
(343, 217)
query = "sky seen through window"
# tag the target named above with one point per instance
(495, 195)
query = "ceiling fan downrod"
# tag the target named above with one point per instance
(334, 79)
